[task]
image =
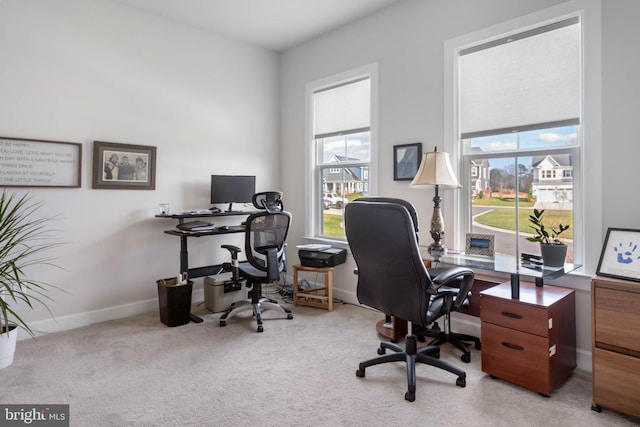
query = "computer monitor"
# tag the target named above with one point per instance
(232, 189)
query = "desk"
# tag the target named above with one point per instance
(503, 264)
(499, 263)
(184, 238)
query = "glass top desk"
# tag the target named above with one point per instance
(512, 265)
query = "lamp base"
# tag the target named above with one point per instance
(437, 251)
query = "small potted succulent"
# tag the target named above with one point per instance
(553, 251)
(23, 239)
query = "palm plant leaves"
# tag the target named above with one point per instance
(24, 239)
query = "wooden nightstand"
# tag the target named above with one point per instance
(530, 341)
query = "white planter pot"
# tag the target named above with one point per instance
(8, 346)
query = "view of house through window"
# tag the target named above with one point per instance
(505, 190)
(342, 139)
(519, 127)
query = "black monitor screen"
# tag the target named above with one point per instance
(232, 188)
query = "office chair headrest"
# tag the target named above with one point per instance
(271, 201)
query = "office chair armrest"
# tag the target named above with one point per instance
(455, 281)
(233, 265)
(233, 249)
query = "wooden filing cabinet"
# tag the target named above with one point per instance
(530, 341)
(615, 307)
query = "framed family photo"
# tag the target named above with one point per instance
(123, 166)
(620, 256)
(406, 160)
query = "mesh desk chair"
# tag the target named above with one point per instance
(265, 250)
(392, 278)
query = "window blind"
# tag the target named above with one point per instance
(342, 109)
(526, 81)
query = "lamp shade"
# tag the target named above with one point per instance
(435, 169)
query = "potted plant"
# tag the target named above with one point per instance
(553, 251)
(23, 240)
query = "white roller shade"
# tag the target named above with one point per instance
(521, 81)
(342, 108)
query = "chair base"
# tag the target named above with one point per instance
(411, 355)
(257, 304)
(458, 340)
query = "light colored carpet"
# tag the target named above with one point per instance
(138, 372)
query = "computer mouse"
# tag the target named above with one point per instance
(223, 227)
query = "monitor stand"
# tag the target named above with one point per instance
(230, 206)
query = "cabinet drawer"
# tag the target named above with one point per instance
(617, 319)
(616, 380)
(515, 315)
(517, 357)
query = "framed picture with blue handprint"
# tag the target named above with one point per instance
(620, 256)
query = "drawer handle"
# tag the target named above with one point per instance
(511, 315)
(512, 346)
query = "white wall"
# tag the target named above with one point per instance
(407, 41)
(87, 70)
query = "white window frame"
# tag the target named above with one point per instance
(588, 188)
(313, 207)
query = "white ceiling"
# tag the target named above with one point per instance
(272, 24)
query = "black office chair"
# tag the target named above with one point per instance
(439, 335)
(265, 248)
(392, 278)
(271, 201)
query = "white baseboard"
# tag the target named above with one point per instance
(64, 323)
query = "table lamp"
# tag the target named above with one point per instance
(435, 170)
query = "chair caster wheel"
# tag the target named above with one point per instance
(410, 396)
(289, 316)
(466, 358)
(260, 328)
(223, 323)
(596, 408)
(381, 351)
(461, 382)
(360, 373)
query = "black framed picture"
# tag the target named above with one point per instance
(124, 166)
(406, 160)
(620, 256)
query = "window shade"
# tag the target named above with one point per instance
(343, 108)
(525, 81)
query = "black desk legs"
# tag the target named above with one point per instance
(184, 267)
(515, 286)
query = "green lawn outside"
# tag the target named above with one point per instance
(332, 225)
(505, 219)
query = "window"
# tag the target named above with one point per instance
(341, 147)
(518, 129)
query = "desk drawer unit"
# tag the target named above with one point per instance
(529, 341)
(616, 344)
